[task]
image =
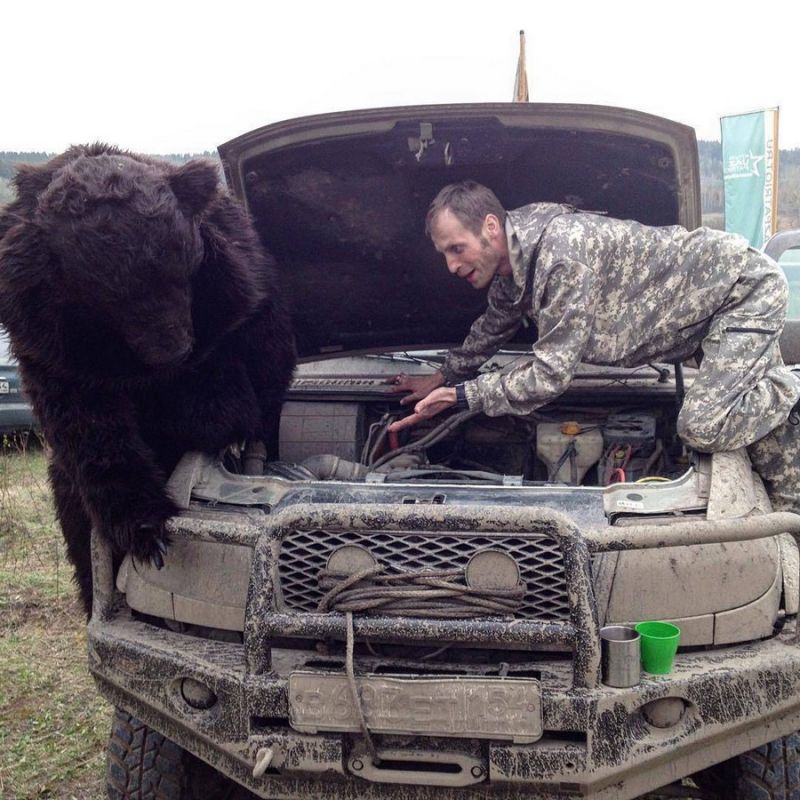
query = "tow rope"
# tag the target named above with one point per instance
(441, 593)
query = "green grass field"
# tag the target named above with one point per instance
(53, 723)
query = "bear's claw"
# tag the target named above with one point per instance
(150, 546)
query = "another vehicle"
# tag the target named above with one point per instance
(420, 618)
(16, 414)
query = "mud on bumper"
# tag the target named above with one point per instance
(597, 742)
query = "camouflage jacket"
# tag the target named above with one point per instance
(600, 290)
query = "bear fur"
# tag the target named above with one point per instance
(147, 321)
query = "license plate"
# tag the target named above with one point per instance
(483, 708)
(4, 387)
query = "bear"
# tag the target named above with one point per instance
(148, 321)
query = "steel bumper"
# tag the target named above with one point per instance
(598, 742)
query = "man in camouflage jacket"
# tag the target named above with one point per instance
(611, 292)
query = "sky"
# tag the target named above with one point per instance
(179, 77)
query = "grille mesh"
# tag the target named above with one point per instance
(304, 553)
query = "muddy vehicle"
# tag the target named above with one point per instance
(380, 618)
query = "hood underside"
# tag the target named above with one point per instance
(340, 200)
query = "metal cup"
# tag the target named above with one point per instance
(619, 656)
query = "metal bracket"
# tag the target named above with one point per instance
(445, 769)
(418, 145)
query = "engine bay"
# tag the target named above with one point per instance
(611, 426)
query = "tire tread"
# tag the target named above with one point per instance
(142, 764)
(769, 772)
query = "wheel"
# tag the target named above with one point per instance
(144, 765)
(770, 772)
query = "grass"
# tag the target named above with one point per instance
(53, 722)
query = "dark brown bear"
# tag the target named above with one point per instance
(147, 322)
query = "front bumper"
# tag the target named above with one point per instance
(598, 742)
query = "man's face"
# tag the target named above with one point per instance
(474, 258)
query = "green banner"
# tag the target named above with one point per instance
(749, 163)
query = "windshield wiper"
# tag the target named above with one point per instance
(434, 360)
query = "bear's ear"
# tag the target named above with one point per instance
(194, 184)
(31, 181)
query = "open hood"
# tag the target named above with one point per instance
(340, 200)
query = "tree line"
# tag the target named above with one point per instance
(711, 188)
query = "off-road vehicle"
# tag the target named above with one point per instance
(365, 616)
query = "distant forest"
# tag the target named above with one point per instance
(713, 200)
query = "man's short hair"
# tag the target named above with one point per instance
(469, 202)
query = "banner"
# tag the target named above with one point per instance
(750, 174)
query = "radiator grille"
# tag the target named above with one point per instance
(304, 553)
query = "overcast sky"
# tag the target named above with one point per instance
(175, 76)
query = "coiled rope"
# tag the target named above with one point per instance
(440, 593)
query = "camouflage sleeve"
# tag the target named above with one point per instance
(487, 335)
(565, 320)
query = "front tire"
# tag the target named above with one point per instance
(144, 765)
(769, 772)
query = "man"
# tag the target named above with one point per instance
(611, 292)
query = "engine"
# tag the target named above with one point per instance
(573, 444)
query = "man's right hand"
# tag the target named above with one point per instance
(419, 386)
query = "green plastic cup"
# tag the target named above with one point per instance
(659, 643)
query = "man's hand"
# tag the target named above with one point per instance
(434, 403)
(420, 386)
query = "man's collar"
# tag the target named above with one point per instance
(524, 229)
(515, 255)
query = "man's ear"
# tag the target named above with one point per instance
(195, 185)
(491, 226)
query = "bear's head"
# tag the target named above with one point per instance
(127, 240)
(114, 264)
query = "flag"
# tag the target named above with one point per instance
(750, 174)
(521, 79)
